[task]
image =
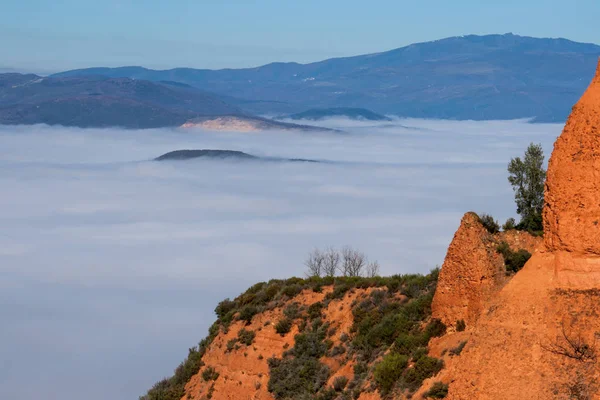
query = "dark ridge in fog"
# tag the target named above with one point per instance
(180, 155)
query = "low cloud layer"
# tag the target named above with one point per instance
(112, 264)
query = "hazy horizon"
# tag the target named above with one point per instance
(46, 72)
(234, 34)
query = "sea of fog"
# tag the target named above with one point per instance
(111, 264)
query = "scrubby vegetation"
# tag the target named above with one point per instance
(514, 260)
(283, 326)
(489, 223)
(388, 371)
(209, 374)
(300, 373)
(439, 390)
(393, 319)
(509, 225)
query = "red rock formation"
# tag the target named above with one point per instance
(470, 273)
(572, 209)
(473, 271)
(509, 353)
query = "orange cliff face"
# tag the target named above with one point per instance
(470, 273)
(473, 270)
(572, 209)
(525, 342)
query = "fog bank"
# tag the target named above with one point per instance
(112, 263)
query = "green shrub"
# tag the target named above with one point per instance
(292, 311)
(514, 260)
(300, 374)
(340, 383)
(406, 343)
(292, 291)
(315, 310)
(326, 394)
(209, 374)
(388, 371)
(337, 350)
(283, 326)
(460, 325)
(509, 225)
(425, 367)
(224, 307)
(247, 313)
(489, 223)
(292, 378)
(419, 308)
(419, 352)
(310, 343)
(339, 290)
(246, 337)
(231, 345)
(435, 328)
(438, 390)
(360, 368)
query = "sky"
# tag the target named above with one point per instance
(112, 264)
(47, 36)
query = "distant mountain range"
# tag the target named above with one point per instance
(96, 101)
(467, 77)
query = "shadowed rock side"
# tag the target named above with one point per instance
(528, 341)
(474, 270)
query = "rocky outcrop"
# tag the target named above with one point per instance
(572, 209)
(524, 345)
(473, 270)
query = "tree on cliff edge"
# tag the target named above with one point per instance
(527, 178)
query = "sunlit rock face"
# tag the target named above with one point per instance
(572, 209)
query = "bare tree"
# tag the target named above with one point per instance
(573, 346)
(315, 263)
(373, 269)
(332, 261)
(580, 382)
(353, 262)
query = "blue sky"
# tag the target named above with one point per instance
(43, 35)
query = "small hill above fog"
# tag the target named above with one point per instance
(190, 154)
(221, 154)
(316, 114)
(245, 123)
(464, 77)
